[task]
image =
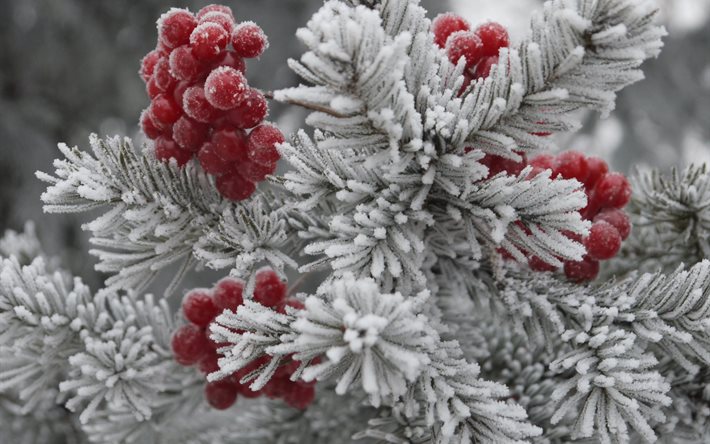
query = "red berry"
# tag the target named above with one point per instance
(189, 134)
(226, 21)
(235, 187)
(604, 241)
(618, 219)
(196, 105)
(233, 61)
(612, 191)
(215, 8)
(227, 294)
(249, 40)
(208, 364)
(189, 344)
(175, 27)
(585, 270)
(543, 161)
(483, 69)
(148, 64)
(179, 93)
(199, 308)
(248, 393)
(211, 162)
(152, 88)
(572, 165)
(224, 87)
(208, 40)
(166, 149)
(277, 387)
(150, 129)
(497, 164)
(262, 144)
(494, 36)
(269, 290)
(300, 396)
(164, 110)
(255, 172)
(250, 111)
(597, 169)
(464, 44)
(446, 24)
(221, 394)
(538, 264)
(184, 65)
(161, 75)
(229, 144)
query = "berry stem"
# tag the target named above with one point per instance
(323, 109)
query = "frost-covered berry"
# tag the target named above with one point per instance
(446, 24)
(221, 394)
(224, 20)
(582, 271)
(215, 8)
(618, 219)
(208, 363)
(166, 149)
(224, 87)
(234, 61)
(211, 162)
(464, 44)
(493, 36)
(249, 40)
(148, 64)
(230, 144)
(208, 40)
(483, 68)
(227, 294)
(161, 75)
(571, 165)
(183, 64)
(604, 241)
(255, 172)
(179, 93)
(150, 129)
(612, 191)
(175, 27)
(234, 186)
(270, 290)
(189, 134)
(262, 144)
(189, 344)
(152, 88)
(196, 105)
(199, 308)
(164, 110)
(537, 264)
(300, 396)
(250, 111)
(597, 168)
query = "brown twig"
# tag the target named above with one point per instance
(311, 106)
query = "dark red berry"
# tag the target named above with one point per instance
(250, 111)
(184, 65)
(230, 144)
(583, 271)
(208, 363)
(255, 172)
(493, 36)
(612, 191)
(161, 75)
(262, 144)
(597, 169)
(300, 396)
(211, 162)
(227, 294)
(179, 93)
(464, 44)
(208, 40)
(212, 8)
(235, 187)
(604, 241)
(196, 105)
(538, 264)
(618, 219)
(164, 110)
(233, 61)
(224, 20)
(199, 308)
(150, 129)
(221, 394)
(152, 88)
(148, 64)
(277, 387)
(190, 134)
(189, 344)
(224, 87)
(572, 165)
(270, 290)
(175, 27)
(497, 164)
(166, 149)
(248, 393)
(483, 69)
(446, 24)
(249, 40)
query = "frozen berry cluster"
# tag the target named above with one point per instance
(201, 103)
(607, 195)
(480, 47)
(192, 345)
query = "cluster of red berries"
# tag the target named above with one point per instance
(480, 47)
(607, 195)
(201, 103)
(192, 345)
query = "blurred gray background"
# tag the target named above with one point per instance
(69, 68)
